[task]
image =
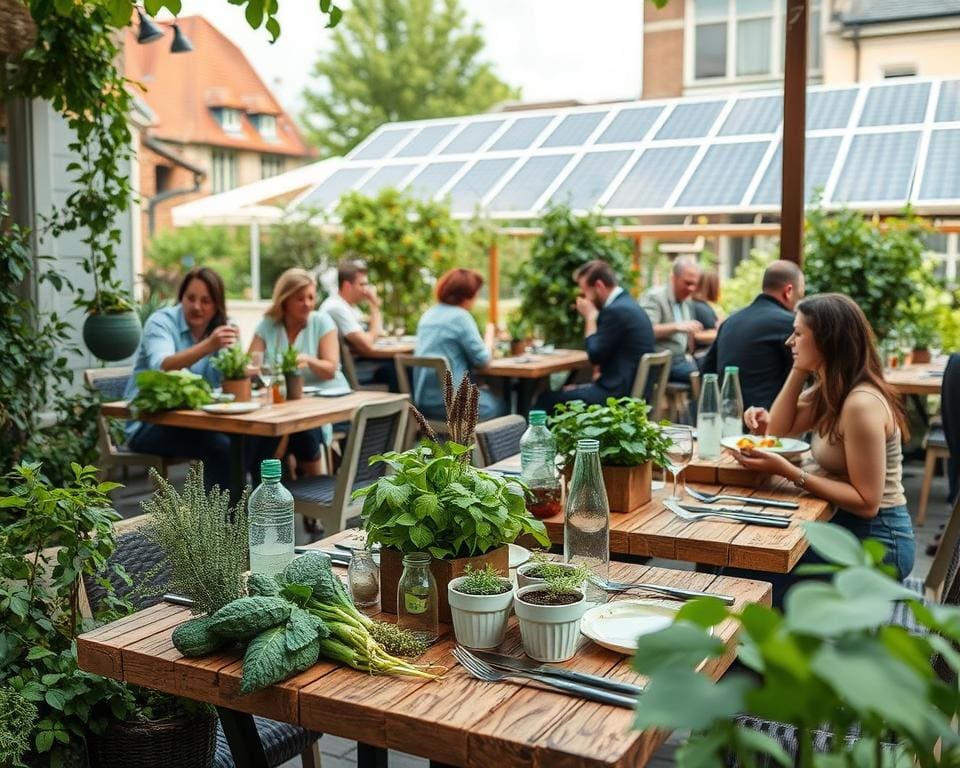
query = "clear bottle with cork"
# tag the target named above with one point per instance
(270, 518)
(731, 403)
(417, 598)
(538, 466)
(709, 426)
(586, 528)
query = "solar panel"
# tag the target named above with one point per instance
(336, 184)
(759, 115)
(382, 144)
(589, 179)
(941, 177)
(690, 121)
(948, 107)
(574, 129)
(428, 182)
(723, 175)
(818, 160)
(425, 141)
(895, 105)
(529, 183)
(879, 166)
(521, 134)
(476, 182)
(388, 176)
(630, 125)
(472, 137)
(652, 179)
(830, 109)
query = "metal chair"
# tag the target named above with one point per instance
(110, 384)
(935, 445)
(655, 392)
(498, 439)
(682, 399)
(349, 367)
(376, 428)
(405, 365)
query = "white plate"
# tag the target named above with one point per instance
(791, 447)
(331, 392)
(618, 625)
(310, 389)
(518, 555)
(231, 409)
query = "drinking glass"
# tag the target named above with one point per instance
(935, 346)
(678, 453)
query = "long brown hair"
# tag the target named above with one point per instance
(846, 342)
(214, 284)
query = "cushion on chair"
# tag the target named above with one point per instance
(281, 742)
(319, 489)
(143, 561)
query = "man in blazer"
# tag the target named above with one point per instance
(617, 334)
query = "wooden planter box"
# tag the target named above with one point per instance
(444, 571)
(627, 487)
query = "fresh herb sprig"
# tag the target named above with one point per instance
(288, 362)
(566, 581)
(166, 390)
(232, 362)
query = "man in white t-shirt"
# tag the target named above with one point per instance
(354, 289)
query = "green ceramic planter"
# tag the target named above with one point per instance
(112, 336)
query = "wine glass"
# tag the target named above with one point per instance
(935, 346)
(679, 452)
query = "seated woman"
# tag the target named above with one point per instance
(705, 309)
(857, 423)
(187, 335)
(293, 321)
(448, 330)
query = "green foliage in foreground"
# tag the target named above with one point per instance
(829, 660)
(166, 390)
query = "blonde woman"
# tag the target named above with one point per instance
(293, 321)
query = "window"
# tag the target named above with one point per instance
(899, 70)
(162, 174)
(270, 165)
(229, 119)
(744, 39)
(224, 170)
(266, 126)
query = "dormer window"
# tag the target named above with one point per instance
(229, 119)
(266, 126)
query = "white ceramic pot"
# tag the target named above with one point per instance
(523, 580)
(479, 621)
(549, 632)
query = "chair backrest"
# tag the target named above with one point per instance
(376, 428)
(109, 384)
(347, 364)
(950, 411)
(653, 388)
(499, 438)
(408, 363)
(143, 561)
(942, 584)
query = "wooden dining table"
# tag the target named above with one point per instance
(652, 530)
(917, 379)
(387, 347)
(523, 372)
(457, 721)
(268, 420)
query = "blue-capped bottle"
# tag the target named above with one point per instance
(270, 518)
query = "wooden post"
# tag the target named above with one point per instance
(794, 132)
(637, 258)
(494, 272)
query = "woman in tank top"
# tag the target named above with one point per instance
(857, 423)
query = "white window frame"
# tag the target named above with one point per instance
(777, 23)
(230, 120)
(223, 170)
(267, 126)
(275, 162)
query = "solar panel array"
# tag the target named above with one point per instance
(869, 146)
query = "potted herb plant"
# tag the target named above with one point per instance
(232, 362)
(480, 603)
(549, 615)
(435, 501)
(291, 372)
(519, 330)
(540, 568)
(629, 445)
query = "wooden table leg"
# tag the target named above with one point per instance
(243, 738)
(371, 757)
(238, 469)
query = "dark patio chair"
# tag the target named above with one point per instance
(499, 438)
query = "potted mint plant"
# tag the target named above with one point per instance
(630, 444)
(480, 603)
(549, 614)
(232, 362)
(291, 372)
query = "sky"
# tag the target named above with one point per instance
(551, 49)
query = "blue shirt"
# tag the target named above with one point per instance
(451, 332)
(319, 324)
(165, 333)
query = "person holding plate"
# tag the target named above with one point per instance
(857, 423)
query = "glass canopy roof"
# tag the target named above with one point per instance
(875, 146)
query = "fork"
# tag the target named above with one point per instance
(679, 594)
(707, 498)
(483, 671)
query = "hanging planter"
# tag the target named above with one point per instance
(112, 336)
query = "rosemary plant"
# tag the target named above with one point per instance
(204, 540)
(482, 581)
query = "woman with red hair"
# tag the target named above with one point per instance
(448, 330)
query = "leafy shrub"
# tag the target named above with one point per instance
(546, 282)
(747, 281)
(290, 242)
(224, 249)
(406, 244)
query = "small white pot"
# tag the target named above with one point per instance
(525, 581)
(549, 632)
(479, 621)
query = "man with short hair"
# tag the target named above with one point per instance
(354, 289)
(754, 338)
(670, 308)
(617, 334)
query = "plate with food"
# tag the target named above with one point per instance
(789, 447)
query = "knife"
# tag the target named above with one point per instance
(177, 600)
(738, 512)
(693, 512)
(761, 502)
(520, 665)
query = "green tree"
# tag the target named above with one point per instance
(398, 60)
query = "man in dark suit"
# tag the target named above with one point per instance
(754, 338)
(617, 334)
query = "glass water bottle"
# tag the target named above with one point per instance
(417, 598)
(270, 517)
(731, 403)
(709, 427)
(538, 467)
(363, 578)
(586, 528)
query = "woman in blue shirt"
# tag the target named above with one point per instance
(293, 321)
(448, 330)
(187, 335)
